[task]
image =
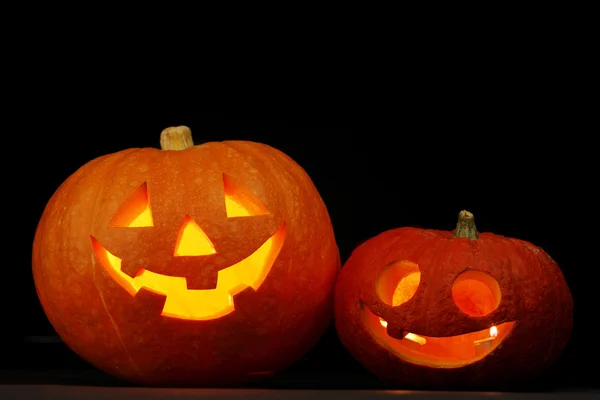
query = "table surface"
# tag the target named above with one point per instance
(91, 384)
(8, 392)
(50, 371)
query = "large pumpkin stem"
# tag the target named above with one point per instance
(176, 138)
(465, 228)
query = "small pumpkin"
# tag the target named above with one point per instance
(426, 308)
(190, 265)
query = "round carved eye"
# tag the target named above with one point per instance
(398, 282)
(476, 293)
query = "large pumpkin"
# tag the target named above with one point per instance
(190, 265)
(428, 309)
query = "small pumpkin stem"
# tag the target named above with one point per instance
(176, 138)
(465, 227)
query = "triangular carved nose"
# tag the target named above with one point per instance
(192, 241)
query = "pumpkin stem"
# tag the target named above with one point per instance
(176, 138)
(465, 227)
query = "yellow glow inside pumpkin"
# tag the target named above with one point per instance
(241, 202)
(182, 302)
(144, 219)
(135, 211)
(398, 282)
(235, 209)
(192, 241)
(475, 292)
(409, 336)
(406, 288)
(440, 352)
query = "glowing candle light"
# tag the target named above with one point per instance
(415, 338)
(483, 345)
(419, 340)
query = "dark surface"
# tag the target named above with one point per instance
(45, 363)
(92, 393)
(91, 384)
(88, 383)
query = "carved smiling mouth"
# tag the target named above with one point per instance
(441, 352)
(185, 303)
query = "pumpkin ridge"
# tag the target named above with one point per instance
(440, 262)
(553, 273)
(556, 301)
(500, 261)
(282, 168)
(99, 199)
(256, 163)
(112, 321)
(246, 148)
(78, 182)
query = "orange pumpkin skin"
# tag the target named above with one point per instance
(534, 294)
(125, 335)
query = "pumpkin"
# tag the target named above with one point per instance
(189, 265)
(425, 308)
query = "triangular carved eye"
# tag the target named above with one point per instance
(135, 211)
(240, 201)
(192, 241)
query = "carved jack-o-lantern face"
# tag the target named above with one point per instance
(475, 294)
(209, 264)
(431, 308)
(192, 245)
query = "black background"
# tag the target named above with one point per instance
(397, 124)
(519, 166)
